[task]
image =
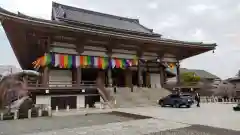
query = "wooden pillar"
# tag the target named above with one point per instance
(165, 77)
(140, 77)
(128, 78)
(45, 76)
(109, 69)
(162, 75)
(178, 73)
(148, 79)
(80, 49)
(101, 76)
(109, 76)
(78, 76)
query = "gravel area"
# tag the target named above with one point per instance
(197, 130)
(133, 127)
(213, 115)
(218, 119)
(17, 127)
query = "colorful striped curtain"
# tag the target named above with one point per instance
(70, 61)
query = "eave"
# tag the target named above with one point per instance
(79, 24)
(51, 24)
(47, 25)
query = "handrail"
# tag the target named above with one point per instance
(61, 84)
(65, 81)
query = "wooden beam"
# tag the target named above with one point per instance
(80, 42)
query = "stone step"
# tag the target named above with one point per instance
(139, 97)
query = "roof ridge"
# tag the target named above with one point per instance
(182, 41)
(200, 70)
(108, 28)
(151, 30)
(95, 12)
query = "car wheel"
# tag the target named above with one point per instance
(176, 105)
(188, 106)
(161, 104)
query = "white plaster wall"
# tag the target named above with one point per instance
(149, 57)
(64, 50)
(155, 80)
(94, 53)
(60, 78)
(46, 100)
(61, 44)
(95, 48)
(150, 54)
(80, 101)
(125, 51)
(125, 56)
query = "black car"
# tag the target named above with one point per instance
(177, 100)
(237, 108)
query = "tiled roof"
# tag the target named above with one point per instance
(6, 69)
(233, 79)
(200, 73)
(70, 14)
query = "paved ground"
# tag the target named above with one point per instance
(44, 124)
(197, 130)
(209, 119)
(215, 115)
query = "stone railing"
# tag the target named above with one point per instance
(61, 84)
(206, 99)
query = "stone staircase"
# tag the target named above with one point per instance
(139, 97)
(123, 99)
(154, 94)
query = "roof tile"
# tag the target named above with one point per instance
(100, 19)
(200, 73)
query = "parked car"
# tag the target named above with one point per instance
(177, 100)
(237, 108)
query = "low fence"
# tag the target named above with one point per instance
(31, 113)
(207, 99)
(64, 84)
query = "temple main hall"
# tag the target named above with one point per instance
(77, 49)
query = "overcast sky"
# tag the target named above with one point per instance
(210, 21)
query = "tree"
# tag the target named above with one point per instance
(189, 78)
(238, 73)
(225, 89)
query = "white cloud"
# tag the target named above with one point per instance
(201, 8)
(238, 7)
(36, 8)
(230, 35)
(198, 34)
(152, 5)
(189, 20)
(169, 22)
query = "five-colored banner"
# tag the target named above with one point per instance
(73, 61)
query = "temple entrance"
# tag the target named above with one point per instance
(134, 78)
(89, 75)
(91, 100)
(144, 77)
(63, 102)
(118, 77)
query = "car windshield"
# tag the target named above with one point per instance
(186, 95)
